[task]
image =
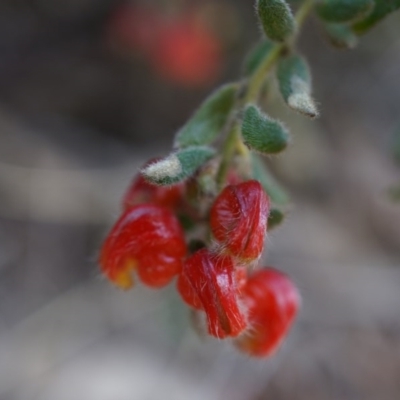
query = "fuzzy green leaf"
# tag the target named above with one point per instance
(177, 166)
(276, 19)
(295, 85)
(381, 10)
(274, 190)
(263, 134)
(209, 119)
(257, 56)
(341, 36)
(344, 10)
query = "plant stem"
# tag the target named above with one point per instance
(228, 152)
(258, 77)
(303, 12)
(233, 141)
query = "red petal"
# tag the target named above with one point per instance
(239, 220)
(148, 237)
(273, 303)
(213, 280)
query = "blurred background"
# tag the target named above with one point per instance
(89, 90)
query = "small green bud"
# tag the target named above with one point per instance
(205, 125)
(276, 19)
(344, 10)
(381, 10)
(177, 166)
(261, 133)
(274, 190)
(257, 56)
(341, 36)
(275, 218)
(295, 85)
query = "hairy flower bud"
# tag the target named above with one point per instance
(147, 238)
(208, 282)
(239, 220)
(273, 302)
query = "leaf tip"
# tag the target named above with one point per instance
(167, 168)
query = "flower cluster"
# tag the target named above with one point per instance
(201, 213)
(255, 307)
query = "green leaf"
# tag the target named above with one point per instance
(274, 190)
(257, 56)
(205, 125)
(344, 10)
(263, 134)
(381, 10)
(341, 36)
(177, 166)
(294, 80)
(276, 19)
(275, 218)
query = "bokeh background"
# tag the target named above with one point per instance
(88, 92)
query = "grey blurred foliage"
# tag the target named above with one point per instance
(77, 121)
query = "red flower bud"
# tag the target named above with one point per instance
(209, 281)
(147, 238)
(140, 191)
(239, 220)
(190, 297)
(273, 302)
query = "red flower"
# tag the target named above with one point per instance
(147, 238)
(239, 220)
(273, 302)
(141, 191)
(181, 49)
(208, 282)
(187, 52)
